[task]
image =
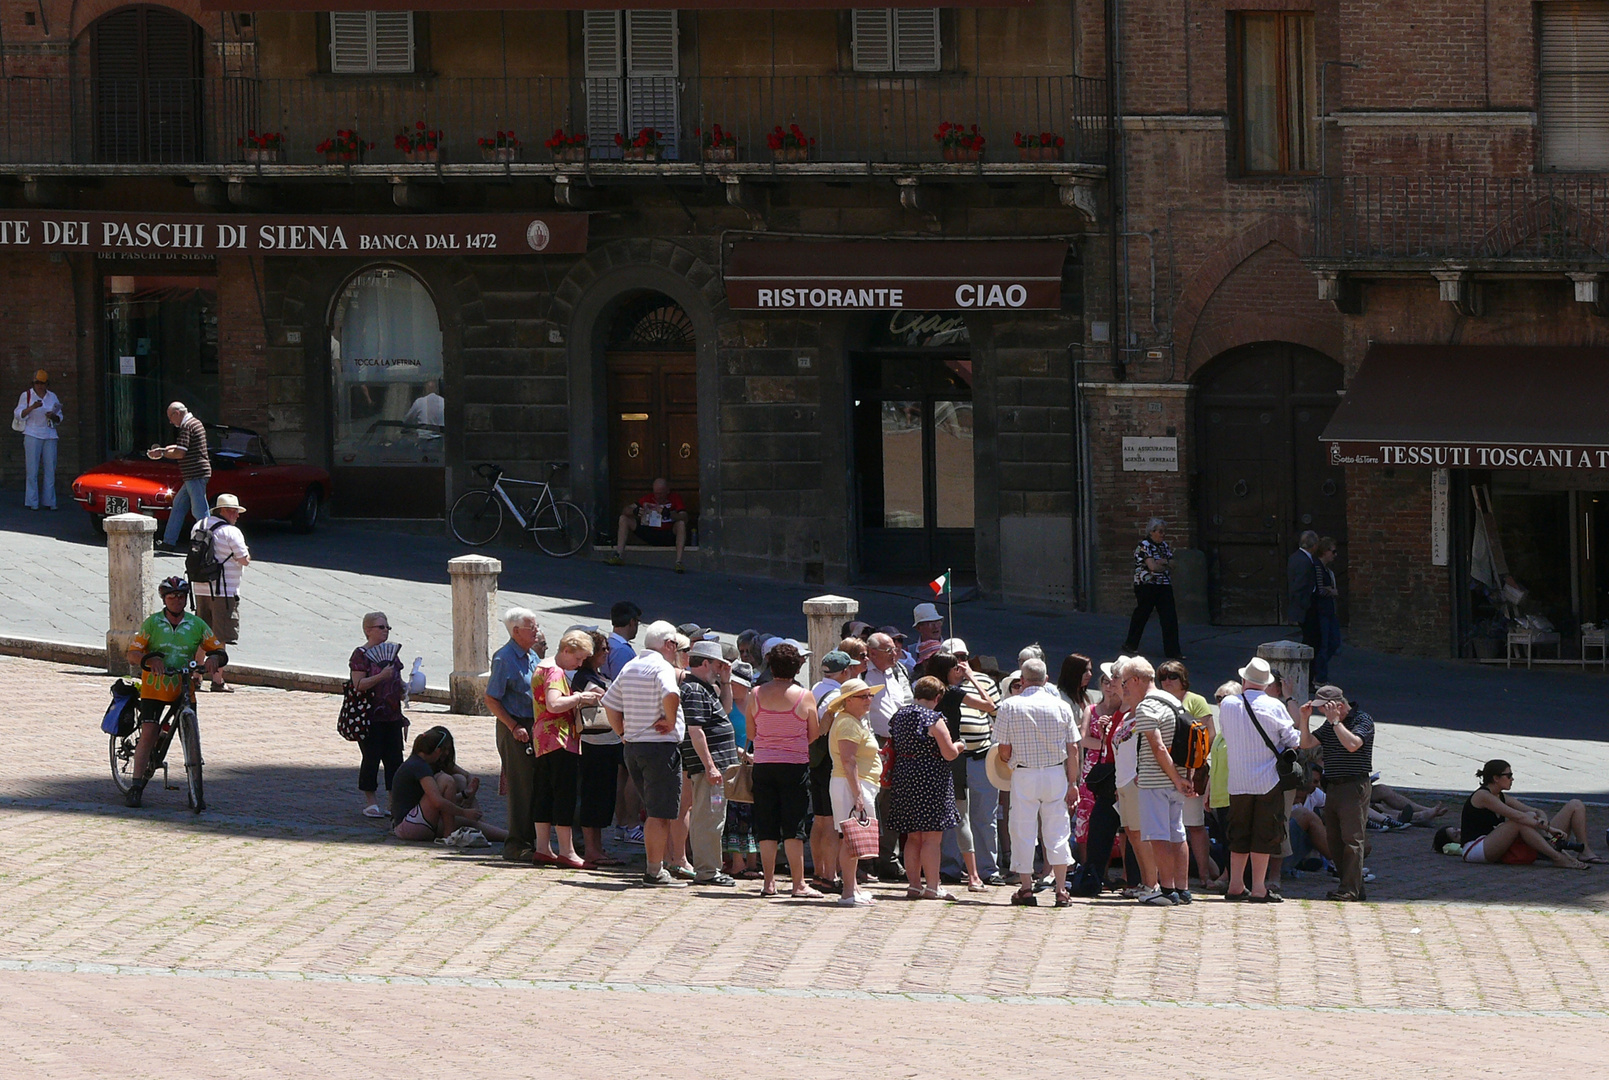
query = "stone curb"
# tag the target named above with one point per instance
(62, 652)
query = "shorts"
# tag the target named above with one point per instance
(821, 790)
(1519, 853)
(1285, 849)
(1195, 815)
(1128, 805)
(222, 614)
(781, 801)
(150, 710)
(415, 826)
(1161, 815)
(843, 803)
(655, 537)
(656, 769)
(1257, 823)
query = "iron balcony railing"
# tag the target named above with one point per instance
(1386, 219)
(851, 118)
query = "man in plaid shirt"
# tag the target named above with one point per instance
(1038, 739)
(708, 750)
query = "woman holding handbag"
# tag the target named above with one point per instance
(556, 744)
(857, 769)
(376, 671)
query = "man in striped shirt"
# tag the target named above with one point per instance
(195, 468)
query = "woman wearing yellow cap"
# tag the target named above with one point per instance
(37, 413)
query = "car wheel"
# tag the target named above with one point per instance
(307, 515)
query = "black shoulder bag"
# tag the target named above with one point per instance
(1291, 773)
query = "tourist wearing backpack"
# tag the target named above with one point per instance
(1163, 786)
(216, 556)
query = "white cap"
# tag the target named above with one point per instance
(955, 645)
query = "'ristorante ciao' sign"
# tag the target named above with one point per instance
(190, 235)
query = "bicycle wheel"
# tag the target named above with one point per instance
(476, 517)
(121, 751)
(190, 739)
(560, 529)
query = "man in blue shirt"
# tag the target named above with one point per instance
(624, 618)
(508, 697)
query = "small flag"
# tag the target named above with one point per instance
(941, 584)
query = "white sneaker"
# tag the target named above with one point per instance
(858, 900)
(1154, 897)
(635, 835)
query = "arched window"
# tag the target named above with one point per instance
(146, 62)
(385, 354)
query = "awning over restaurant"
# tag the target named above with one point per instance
(856, 275)
(576, 5)
(1475, 407)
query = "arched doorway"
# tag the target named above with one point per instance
(146, 74)
(653, 400)
(1263, 476)
(389, 425)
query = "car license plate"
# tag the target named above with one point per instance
(116, 504)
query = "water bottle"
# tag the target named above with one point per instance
(717, 800)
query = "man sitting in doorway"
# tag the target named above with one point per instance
(658, 519)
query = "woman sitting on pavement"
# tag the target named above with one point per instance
(921, 795)
(1498, 829)
(556, 742)
(857, 768)
(424, 802)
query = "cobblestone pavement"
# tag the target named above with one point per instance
(305, 596)
(281, 927)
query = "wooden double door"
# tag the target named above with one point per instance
(653, 425)
(147, 64)
(1264, 478)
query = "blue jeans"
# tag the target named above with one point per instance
(191, 499)
(40, 455)
(983, 803)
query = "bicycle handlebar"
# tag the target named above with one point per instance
(488, 471)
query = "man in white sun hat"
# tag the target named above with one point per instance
(1255, 728)
(929, 630)
(216, 587)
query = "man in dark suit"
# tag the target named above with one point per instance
(1302, 580)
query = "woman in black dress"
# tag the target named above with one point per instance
(921, 803)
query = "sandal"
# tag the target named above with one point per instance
(1024, 899)
(807, 893)
(1064, 900)
(768, 891)
(913, 892)
(977, 887)
(605, 860)
(221, 688)
(749, 875)
(937, 894)
(1596, 860)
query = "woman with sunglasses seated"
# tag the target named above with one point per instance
(423, 798)
(1498, 829)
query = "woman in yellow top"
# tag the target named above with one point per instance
(1174, 677)
(556, 742)
(856, 771)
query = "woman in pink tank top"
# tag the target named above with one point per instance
(782, 728)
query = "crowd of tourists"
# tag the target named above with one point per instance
(912, 762)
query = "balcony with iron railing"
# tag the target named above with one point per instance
(854, 123)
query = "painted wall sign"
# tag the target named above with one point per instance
(1439, 487)
(189, 235)
(1150, 455)
(1469, 456)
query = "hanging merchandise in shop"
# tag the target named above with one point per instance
(201, 235)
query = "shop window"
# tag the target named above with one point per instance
(385, 352)
(631, 66)
(1276, 78)
(161, 337)
(1574, 112)
(895, 39)
(372, 42)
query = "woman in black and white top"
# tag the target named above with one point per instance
(1153, 590)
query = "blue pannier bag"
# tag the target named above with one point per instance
(121, 714)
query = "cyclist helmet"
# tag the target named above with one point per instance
(173, 584)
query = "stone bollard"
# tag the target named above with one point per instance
(130, 584)
(825, 617)
(1294, 662)
(474, 579)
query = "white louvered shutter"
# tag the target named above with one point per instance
(1575, 85)
(602, 48)
(872, 39)
(393, 41)
(651, 71)
(349, 42)
(916, 39)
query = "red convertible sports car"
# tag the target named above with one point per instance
(241, 465)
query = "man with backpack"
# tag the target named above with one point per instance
(1163, 785)
(216, 556)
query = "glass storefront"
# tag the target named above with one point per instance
(161, 343)
(385, 356)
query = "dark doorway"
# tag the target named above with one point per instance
(912, 422)
(161, 344)
(1264, 477)
(653, 402)
(147, 86)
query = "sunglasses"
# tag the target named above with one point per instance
(377, 626)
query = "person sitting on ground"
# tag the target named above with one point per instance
(1498, 829)
(423, 799)
(1392, 803)
(1306, 828)
(658, 519)
(459, 786)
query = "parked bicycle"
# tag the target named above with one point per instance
(178, 719)
(558, 527)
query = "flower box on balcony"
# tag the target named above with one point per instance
(424, 155)
(720, 153)
(641, 153)
(264, 155)
(502, 155)
(1038, 153)
(570, 155)
(791, 153)
(962, 153)
(344, 157)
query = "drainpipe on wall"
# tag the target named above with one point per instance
(1118, 184)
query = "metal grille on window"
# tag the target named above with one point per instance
(1575, 85)
(652, 325)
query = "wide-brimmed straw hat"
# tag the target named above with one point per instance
(851, 688)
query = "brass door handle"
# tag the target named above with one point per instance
(633, 450)
(687, 450)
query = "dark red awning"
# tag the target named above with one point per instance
(859, 275)
(1475, 407)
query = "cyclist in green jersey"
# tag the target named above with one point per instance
(167, 641)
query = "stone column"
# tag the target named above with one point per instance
(130, 584)
(1294, 662)
(825, 617)
(474, 579)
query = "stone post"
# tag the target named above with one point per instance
(474, 579)
(825, 617)
(1294, 662)
(130, 584)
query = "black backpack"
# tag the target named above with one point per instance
(201, 563)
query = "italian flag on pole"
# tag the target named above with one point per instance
(941, 584)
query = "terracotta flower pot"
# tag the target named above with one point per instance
(500, 154)
(642, 153)
(791, 153)
(1038, 153)
(344, 157)
(423, 156)
(263, 155)
(570, 154)
(962, 153)
(720, 153)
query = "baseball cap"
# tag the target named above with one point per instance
(692, 631)
(836, 661)
(1328, 694)
(955, 645)
(706, 650)
(42, 376)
